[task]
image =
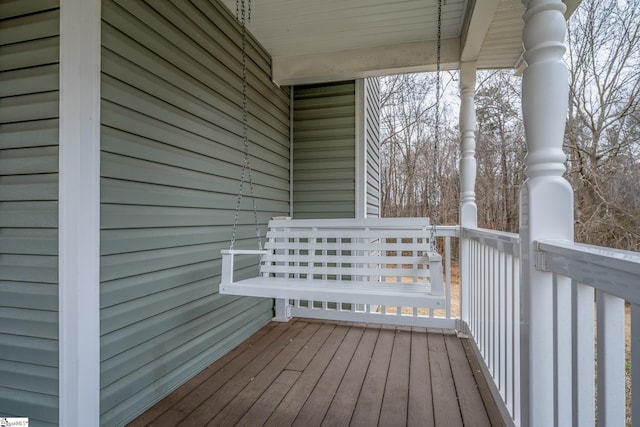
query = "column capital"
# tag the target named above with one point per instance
(468, 75)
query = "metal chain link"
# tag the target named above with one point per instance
(243, 15)
(435, 193)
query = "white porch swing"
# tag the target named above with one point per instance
(375, 261)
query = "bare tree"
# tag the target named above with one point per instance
(500, 149)
(602, 135)
(408, 134)
(602, 127)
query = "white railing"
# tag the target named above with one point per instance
(591, 285)
(409, 316)
(493, 309)
(589, 339)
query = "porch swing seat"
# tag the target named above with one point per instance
(381, 261)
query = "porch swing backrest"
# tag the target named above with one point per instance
(383, 261)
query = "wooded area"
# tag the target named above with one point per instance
(602, 138)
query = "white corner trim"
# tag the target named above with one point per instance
(291, 147)
(360, 150)
(79, 213)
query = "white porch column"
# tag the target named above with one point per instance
(468, 208)
(79, 213)
(546, 205)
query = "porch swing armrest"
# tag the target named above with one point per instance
(227, 261)
(434, 257)
(435, 273)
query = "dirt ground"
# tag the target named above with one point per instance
(455, 296)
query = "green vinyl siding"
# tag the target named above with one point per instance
(324, 133)
(29, 46)
(372, 143)
(171, 160)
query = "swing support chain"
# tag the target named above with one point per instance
(435, 192)
(243, 15)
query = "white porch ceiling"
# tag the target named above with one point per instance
(323, 40)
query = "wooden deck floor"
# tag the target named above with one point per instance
(313, 373)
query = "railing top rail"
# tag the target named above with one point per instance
(614, 271)
(400, 223)
(490, 234)
(500, 240)
(337, 223)
(447, 230)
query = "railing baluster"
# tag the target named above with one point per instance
(494, 310)
(517, 384)
(582, 342)
(509, 326)
(478, 305)
(502, 319)
(472, 284)
(610, 362)
(562, 344)
(483, 302)
(478, 293)
(497, 325)
(493, 313)
(487, 303)
(494, 320)
(635, 361)
(447, 283)
(475, 274)
(473, 300)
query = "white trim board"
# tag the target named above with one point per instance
(360, 150)
(79, 213)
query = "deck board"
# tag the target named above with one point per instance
(268, 402)
(471, 405)
(165, 406)
(250, 394)
(341, 408)
(420, 411)
(445, 400)
(396, 392)
(367, 409)
(295, 399)
(311, 372)
(493, 412)
(223, 373)
(317, 405)
(225, 394)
